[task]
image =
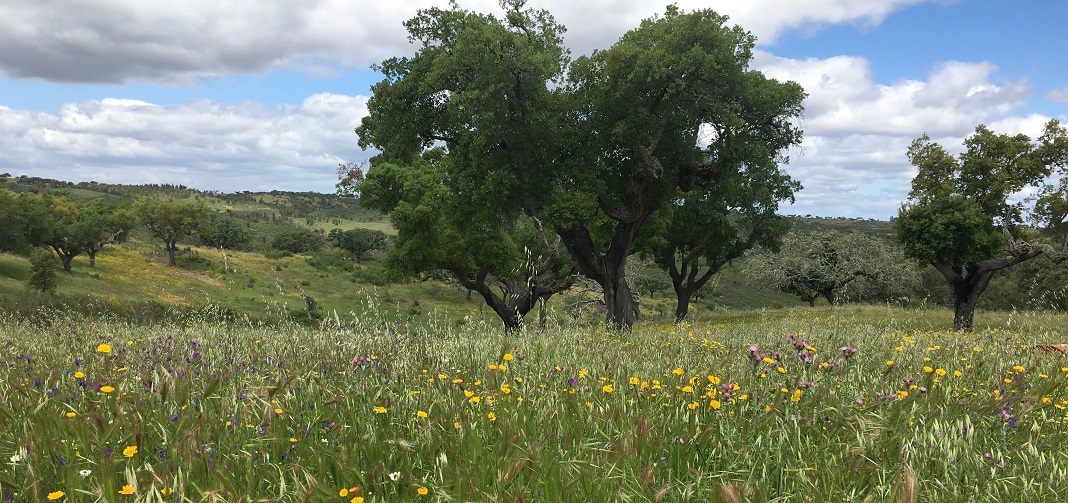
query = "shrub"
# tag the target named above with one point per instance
(331, 260)
(42, 271)
(299, 241)
(371, 276)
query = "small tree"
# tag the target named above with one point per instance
(359, 241)
(299, 241)
(708, 229)
(98, 223)
(171, 221)
(60, 218)
(822, 264)
(224, 232)
(42, 270)
(963, 213)
(646, 278)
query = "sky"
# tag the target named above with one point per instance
(264, 95)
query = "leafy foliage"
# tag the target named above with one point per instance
(225, 232)
(171, 221)
(706, 230)
(589, 149)
(671, 109)
(478, 92)
(359, 241)
(963, 214)
(42, 271)
(29, 219)
(299, 241)
(824, 264)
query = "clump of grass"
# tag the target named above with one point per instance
(849, 404)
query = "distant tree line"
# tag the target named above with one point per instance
(49, 225)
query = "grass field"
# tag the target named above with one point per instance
(134, 277)
(834, 404)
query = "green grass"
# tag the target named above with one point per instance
(132, 275)
(134, 278)
(238, 412)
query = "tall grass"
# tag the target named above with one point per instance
(723, 409)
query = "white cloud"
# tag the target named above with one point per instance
(181, 42)
(768, 19)
(200, 144)
(1031, 125)
(1058, 95)
(844, 99)
(857, 131)
(852, 161)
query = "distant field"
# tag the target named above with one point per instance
(250, 284)
(834, 404)
(353, 224)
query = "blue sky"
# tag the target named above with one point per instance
(250, 95)
(1024, 40)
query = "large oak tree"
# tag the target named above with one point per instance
(591, 148)
(964, 213)
(467, 129)
(671, 108)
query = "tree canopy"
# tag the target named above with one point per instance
(477, 91)
(825, 263)
(671, 108)
(358, 241)
(704, 230)
(171, 221)
(588, 149)
(29, 219)
(964, 213)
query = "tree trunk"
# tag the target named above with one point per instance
(518, 298)
(682, 308)
(619, 303)
(964, 315)
(686, 282)
(965, 297)
(92, 258)
(512, 316)
(172, 250)
(65, 255)
(831, 297)
(608, 269)
(968, 284)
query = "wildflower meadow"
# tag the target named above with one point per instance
(836, 404)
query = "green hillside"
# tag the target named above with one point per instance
(262, 283)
